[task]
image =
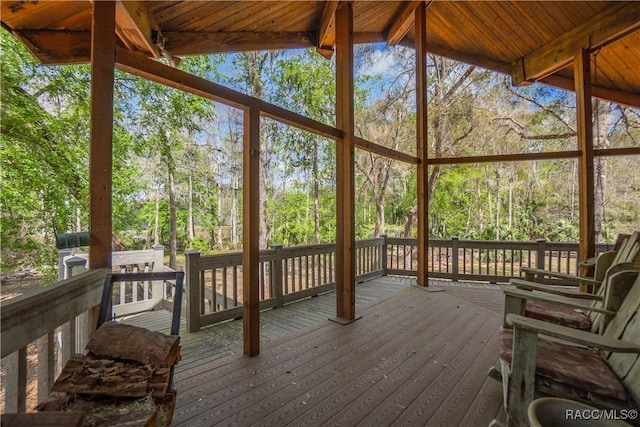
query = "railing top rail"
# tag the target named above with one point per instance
(29, 316)
(43, 296)
(308, 249)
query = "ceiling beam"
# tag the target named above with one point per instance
(402, 22)
(136, 27)
(619, 97)
(74, 47)
(195, 43)
(479, 60)
(327, 32)
(605, 27)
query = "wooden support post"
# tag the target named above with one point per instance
(345, 171)
(194, 297)
(251, 233)
(584, 110)
(422, 127)
(103, 56)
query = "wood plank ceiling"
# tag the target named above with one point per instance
(530, 40)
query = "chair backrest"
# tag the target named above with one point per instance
(110, 279)
(628, 249)
(627, 256)
(621, 253)
(614, 291)
(626, 326)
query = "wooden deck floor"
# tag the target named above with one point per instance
(415, 358)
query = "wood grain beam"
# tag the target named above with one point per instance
(384, 151)
(327, 32)
(103, 55)
(422, 129)
(520, 157)
(609, 25)
(74, 47)
(584, 113)
(197, 43)
(528, 157)
(345, 169)
(402, 22)
(447, 52)
(624, 98)
(135, 26)
(251, 233)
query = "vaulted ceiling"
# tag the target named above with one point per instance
(529, 40)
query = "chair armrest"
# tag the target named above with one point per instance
(574, 335)
(569, 293)
(558, 275)
(554, 299)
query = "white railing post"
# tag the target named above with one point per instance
(62, 269)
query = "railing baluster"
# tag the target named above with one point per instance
(46, 365)
(214, 289)
(16, 382)
(224, 288)
(235, 286)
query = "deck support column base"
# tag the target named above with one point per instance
(343, 321)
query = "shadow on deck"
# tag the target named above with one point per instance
(417, 357)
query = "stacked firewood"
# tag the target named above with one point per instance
(124, 380)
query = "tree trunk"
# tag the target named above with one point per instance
(316, 194)
(156, 228)
(190, 225)
(234, 212)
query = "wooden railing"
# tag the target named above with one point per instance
(129, 297)
(475, 260)
(41, 330)
(32, 320)
(214, 282)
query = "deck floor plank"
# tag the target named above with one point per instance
(415, 358)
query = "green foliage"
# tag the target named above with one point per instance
(43, 155)
(564, 231)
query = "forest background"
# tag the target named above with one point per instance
(178, 158)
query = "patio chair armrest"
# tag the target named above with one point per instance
(554, 299)
(569, 293)
(557, 275)
(577, 336)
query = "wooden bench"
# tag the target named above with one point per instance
(602, 370)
